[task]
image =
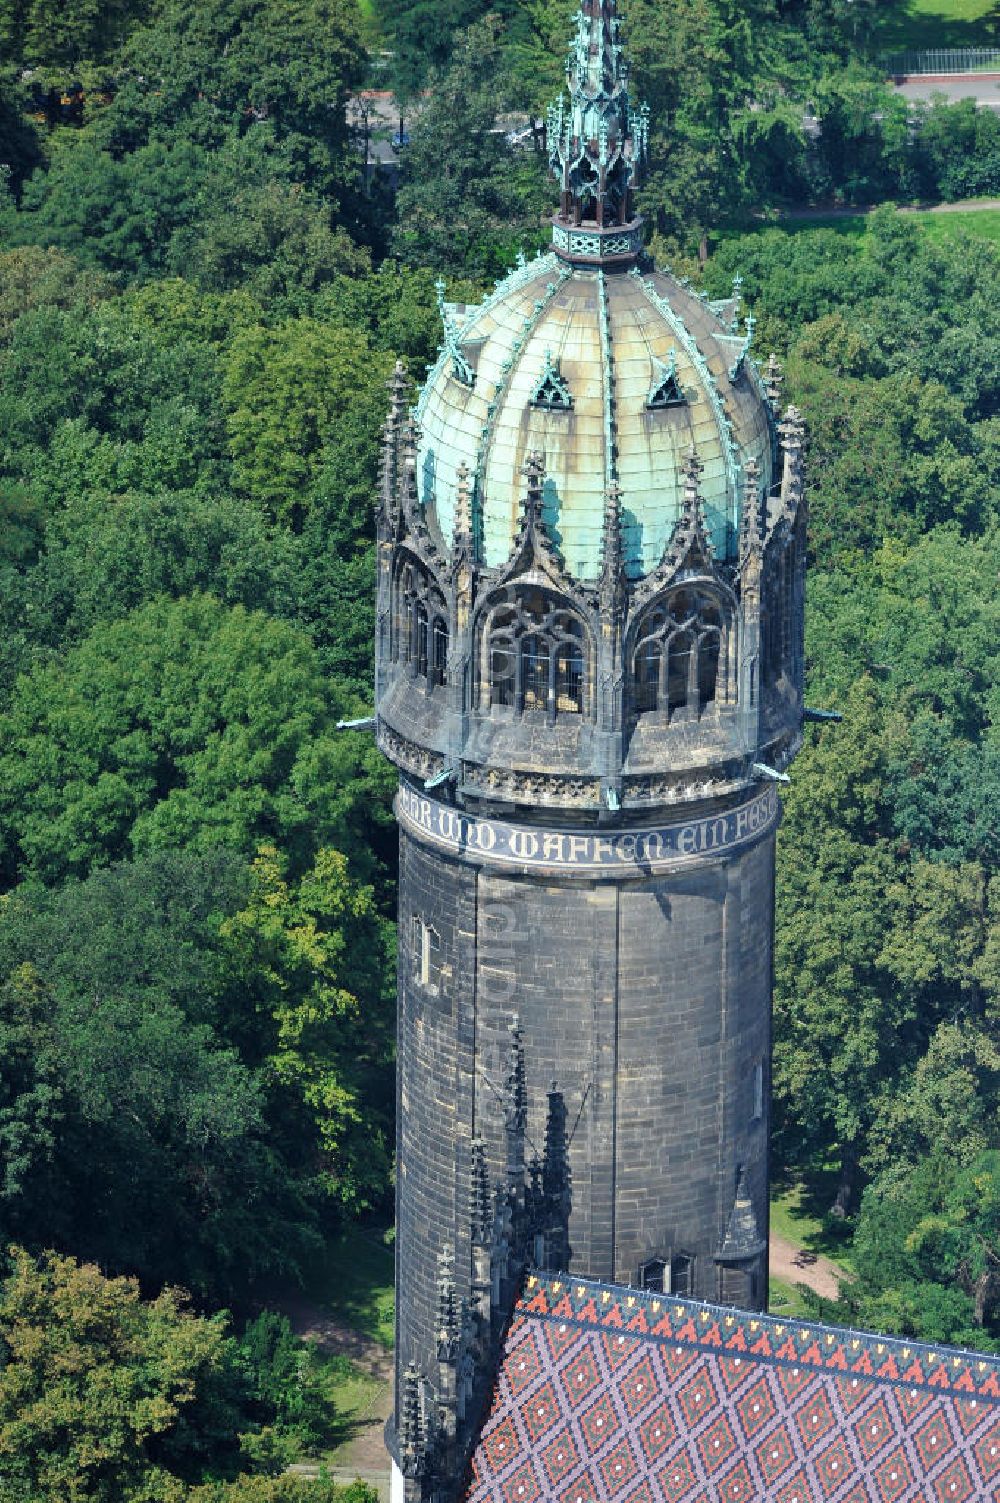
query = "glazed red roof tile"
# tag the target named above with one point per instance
(610, 1395)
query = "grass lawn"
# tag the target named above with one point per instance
(797, 1217)
(941, 226)
(982, 222)
(784, 1299)
(352, 1394)
(938, 23)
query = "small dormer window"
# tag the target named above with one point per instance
(665, 390)
(551, 391)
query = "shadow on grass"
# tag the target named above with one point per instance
(356, 1284)
(800, 1212)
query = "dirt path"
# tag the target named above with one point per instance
(855, 211)
(796, 1266)
(364, 1455)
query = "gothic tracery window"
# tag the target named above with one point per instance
(420, 624)
(677, 656)
(534, 656)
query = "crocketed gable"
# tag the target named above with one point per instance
(608, 1394)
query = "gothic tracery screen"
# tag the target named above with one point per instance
(678, 656)
(534, 656)
(419, 624)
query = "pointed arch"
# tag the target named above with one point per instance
(534, 653)
(679, 654)
(419, 624)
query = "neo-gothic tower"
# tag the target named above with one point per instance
(589, 674)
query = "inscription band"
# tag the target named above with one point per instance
(584, 853)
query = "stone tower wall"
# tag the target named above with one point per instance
(642, 986)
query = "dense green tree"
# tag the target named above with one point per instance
(314, 954)
(927, 1252)
(467, 200)
(287, 390)
(109, 1398)
(92, 1379)
(185, 724)
(58, 36)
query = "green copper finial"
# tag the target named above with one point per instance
(460, 367)
(597, 143)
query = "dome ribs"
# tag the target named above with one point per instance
(711, 387)
(607, 384)
(507, 369)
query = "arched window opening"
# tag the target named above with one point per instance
(681, 1274)
(503, 674)
(708, 669)
(420, 640)
(679, 661)
(535, 672)
(425, 954)
(569, 680)
(647, 676)
(677, 657)
(419, 625)
(534, 652)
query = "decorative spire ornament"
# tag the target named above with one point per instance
(774, 380)
(752, 520)
(690, 547)
(596, 140)
(463, 545)
(611, 585)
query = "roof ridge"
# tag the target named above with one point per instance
(730, 1315)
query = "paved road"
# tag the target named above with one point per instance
(984, 88)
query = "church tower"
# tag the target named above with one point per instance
(589, 675)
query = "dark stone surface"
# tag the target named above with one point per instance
(648, 1000)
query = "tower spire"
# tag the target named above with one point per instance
(596, 144)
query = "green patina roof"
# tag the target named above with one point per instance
(609, 336)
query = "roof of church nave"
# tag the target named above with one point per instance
(614, 1395)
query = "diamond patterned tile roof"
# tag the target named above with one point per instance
(610, 1395)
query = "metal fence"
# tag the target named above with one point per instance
(944, 60)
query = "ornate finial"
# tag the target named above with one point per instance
(597, 144)
(447, 1303)
(791, 432)
(556, 1183)
(515, 1090)
(480, 1210)
(690, 546)
(612, 578)
(774, 380)
(752, 520)
(463, 547)
(460, 367)
(534, 471)
(738, 363)
(411, 442)
(392, 434)
(693, 468)
(411, 1428)
(555, 1165)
